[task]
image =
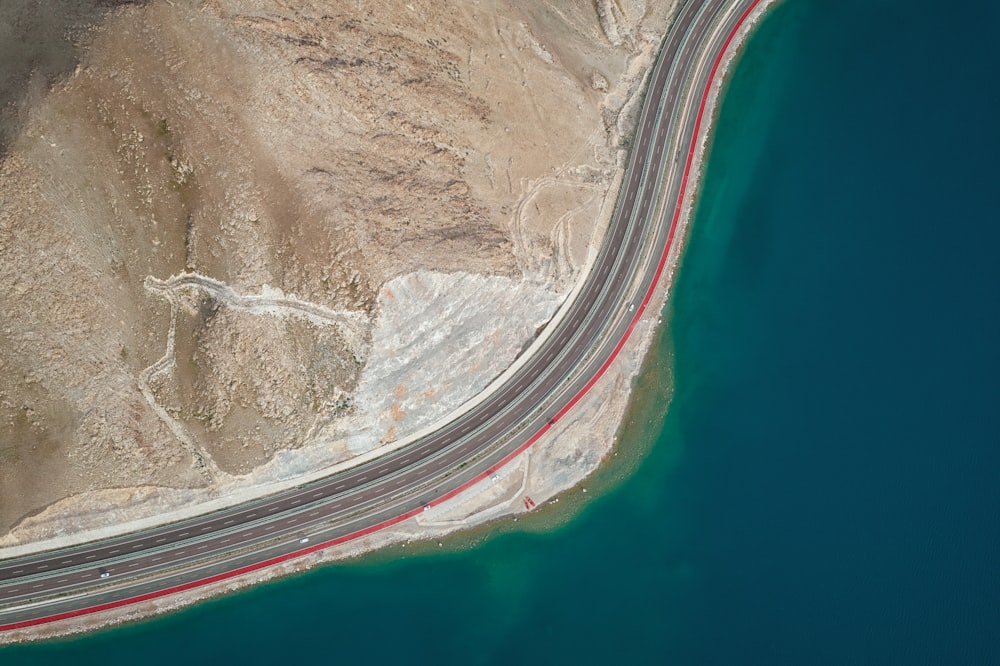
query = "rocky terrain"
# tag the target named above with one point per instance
(244, 240)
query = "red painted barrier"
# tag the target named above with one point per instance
(521, 449)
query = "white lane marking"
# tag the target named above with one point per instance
(365, 478)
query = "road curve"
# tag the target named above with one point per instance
(116, 572)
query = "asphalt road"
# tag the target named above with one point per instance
(72, 581)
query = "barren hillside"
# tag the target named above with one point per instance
(245, 239)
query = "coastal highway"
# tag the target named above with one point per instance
(100, 575)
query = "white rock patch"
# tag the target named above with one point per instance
(438, 340)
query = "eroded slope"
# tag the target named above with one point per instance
(198, 225)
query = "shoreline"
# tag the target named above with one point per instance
(655, 361)
(634, 350)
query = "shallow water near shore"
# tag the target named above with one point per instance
(823, 488)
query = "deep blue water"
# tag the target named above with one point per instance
(824, 487)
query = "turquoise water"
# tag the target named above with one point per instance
(824, 488)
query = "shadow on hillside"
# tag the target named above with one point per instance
(41, 41)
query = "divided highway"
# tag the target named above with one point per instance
(125, 570)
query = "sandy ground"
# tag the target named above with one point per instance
(560, 460)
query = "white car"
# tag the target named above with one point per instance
(304, 540)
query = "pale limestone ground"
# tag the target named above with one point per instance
(441, 339)
(559, 460)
